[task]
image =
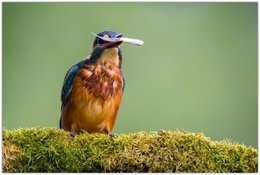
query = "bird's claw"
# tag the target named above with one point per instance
(110, 134)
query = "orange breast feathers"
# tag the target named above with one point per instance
(94, 100)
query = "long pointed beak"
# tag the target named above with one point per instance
(124, 39)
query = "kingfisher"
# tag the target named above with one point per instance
(92, 89)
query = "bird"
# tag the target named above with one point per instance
(92, 89)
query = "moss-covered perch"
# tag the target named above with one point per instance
(53, 150)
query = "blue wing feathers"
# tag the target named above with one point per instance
(123, 88)
(67, 84)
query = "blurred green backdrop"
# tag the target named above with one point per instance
(197, 70)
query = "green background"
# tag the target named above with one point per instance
(197, 70)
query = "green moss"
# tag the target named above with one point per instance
(53, 150)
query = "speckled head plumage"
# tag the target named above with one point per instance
(109, 34)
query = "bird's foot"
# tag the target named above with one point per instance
(73, 133)
(110, 134)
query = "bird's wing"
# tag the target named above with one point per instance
(67, 83)
(123, 88)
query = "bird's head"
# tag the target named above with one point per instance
(106, 46)
(109, 39)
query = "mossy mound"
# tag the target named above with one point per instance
(53, 150)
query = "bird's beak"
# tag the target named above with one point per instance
(121, 39)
